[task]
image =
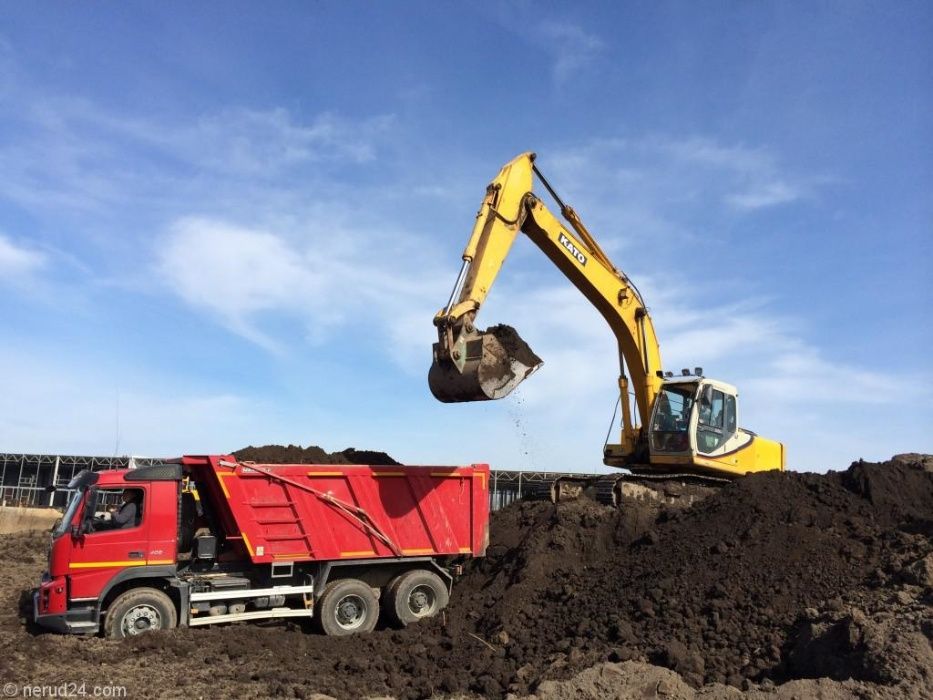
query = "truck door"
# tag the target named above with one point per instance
(106, 548)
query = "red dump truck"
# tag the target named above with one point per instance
(213, 540)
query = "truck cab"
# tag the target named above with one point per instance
(90, 557)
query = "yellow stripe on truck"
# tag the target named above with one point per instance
(223, 486)
(109, 564)
(249, 547)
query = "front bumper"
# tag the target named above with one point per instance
(75, 621)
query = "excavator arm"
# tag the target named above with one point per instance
(470, 365)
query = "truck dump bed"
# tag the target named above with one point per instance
(302, 512)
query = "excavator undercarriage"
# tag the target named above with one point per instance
(670, 490)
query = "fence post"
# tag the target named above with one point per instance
(54, 480)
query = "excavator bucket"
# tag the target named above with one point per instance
(488, 365)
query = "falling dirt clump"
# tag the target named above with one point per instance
(779, 585)
(515, 347)
(312, 454)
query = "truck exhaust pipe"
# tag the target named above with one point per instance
(481, 365)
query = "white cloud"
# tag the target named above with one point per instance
(755, 172)
(767, 194)
(708, 152)
(244, 275)
(573, 47)
(653, 186)
(74, 155)
(798, 374)
(236, 273)
(250, 143)
(18, 260)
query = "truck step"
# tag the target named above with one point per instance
(252, 593)
(256, 615)
(83, 627)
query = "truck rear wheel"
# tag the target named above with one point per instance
(348, 606)
(415, 595)
(137, 611)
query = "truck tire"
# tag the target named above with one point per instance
(415, 595)
(347, 606)
(139, 610)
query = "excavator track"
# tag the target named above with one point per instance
(672, 490)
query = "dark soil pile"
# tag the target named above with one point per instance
(514, 346)
(312, 454)
(729, 589)
(773, 578)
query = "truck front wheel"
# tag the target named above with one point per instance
(347, 606)
(137, 611)
(415, 595)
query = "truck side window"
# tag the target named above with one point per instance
(116, 509)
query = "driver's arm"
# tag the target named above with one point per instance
(125, 515)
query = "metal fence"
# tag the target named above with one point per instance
(25, 478)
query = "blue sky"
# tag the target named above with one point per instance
(224, 225)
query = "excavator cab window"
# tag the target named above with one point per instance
(716, 422)
(672, 419)
(730, 415)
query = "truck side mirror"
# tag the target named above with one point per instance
(77, 530)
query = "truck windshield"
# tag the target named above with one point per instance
(672, 418)
(64, 524)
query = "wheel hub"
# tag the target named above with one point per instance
(421, 601)
(141, 619)
(350, 611)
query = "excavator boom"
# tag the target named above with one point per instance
(470, 365)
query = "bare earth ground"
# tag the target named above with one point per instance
(778, 586)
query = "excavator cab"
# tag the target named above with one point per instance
(697, 417)
(694, 424)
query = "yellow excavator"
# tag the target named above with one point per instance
(688, 424)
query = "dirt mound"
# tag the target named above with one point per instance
(514, 346)
(725, 591)
(312, 454)
(773, 580)
(900, 490)
(632, 680)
